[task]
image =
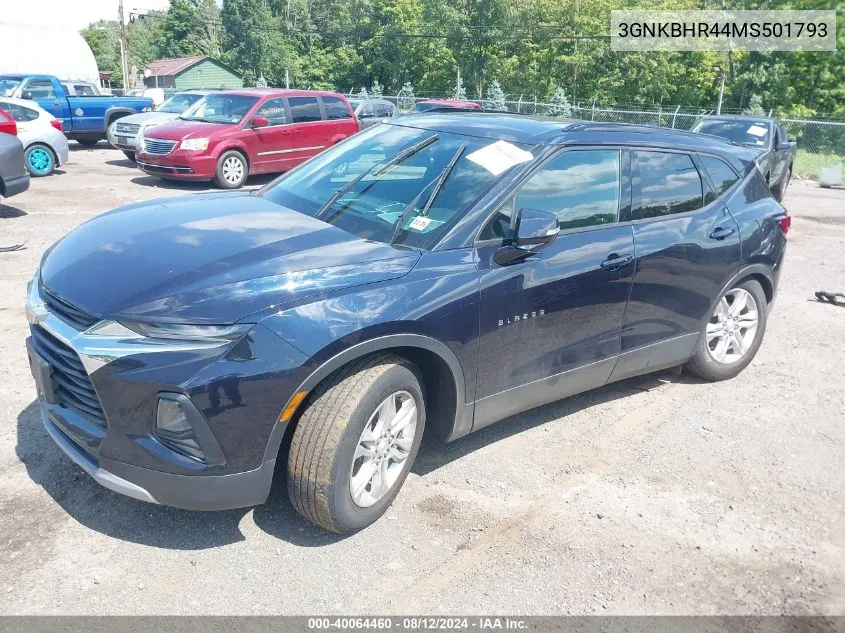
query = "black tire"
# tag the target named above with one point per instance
(323, 445)
(780, 190)
(703, 365)
(88, 142)
(130, 156)
(222, 179)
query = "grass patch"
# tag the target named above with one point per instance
(809, 164)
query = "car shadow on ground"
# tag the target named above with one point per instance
(122, 162)
(127, 519)
(196, 185)
(8, 212)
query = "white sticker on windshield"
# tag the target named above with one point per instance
(500, 156)
(757, 130)
(420, 223)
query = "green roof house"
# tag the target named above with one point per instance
(184, 73)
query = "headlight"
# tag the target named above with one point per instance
(195, 144)
(172, 331)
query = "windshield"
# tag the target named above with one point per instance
(178, 103)
(220, 108)
(395, 184)
(7, 86)
(754, 133)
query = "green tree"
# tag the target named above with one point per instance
(495, 97)
(376, 90)
(755, 106)
(406, 99)
(559, 104)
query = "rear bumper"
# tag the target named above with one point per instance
(178, 164)
(191, 492)
(17, 185)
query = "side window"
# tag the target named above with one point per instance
(274, 111)
(581, 187)
(336, 108)
(40, 89)
(367, 112)
(304, 109)
(665, 184)
(83, 89)
(722, 176)
(383, 110)
(498, 227)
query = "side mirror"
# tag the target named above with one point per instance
(26, 94)
(785, 145)
(259, 121)
(535, 230)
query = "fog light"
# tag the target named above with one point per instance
(175, 431)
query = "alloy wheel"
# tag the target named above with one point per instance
(731, 330)
(40, 160)
(383, 448)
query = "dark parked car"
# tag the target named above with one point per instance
(774, 152)
(441, 272)
(370, 112)
(14, 178)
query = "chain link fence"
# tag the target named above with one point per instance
(821, 143)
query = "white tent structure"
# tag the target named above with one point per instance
(49, 50)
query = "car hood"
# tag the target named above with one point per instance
(209, 258)
(148, 118)
(178, 129)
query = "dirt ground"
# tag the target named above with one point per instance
(661, 495)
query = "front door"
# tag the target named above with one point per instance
(44, 94)
(687, 247)
(550, 324)
(271, 145)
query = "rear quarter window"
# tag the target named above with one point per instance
(720, 173)
(305, 109)
(336, 108)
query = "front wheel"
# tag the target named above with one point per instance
(40, 160)
(231, 171)
(355, 443)
(733, 334)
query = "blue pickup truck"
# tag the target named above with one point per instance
(84, 118)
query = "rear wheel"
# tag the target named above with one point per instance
(130, 156)
(232, 170)
(733, 334)
(355, 443)
(40, 160)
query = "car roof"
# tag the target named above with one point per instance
(281, 92)
(536, 130)
(737, 117)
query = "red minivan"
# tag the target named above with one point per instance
(229, 135)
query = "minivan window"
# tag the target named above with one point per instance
(391, 184)
(722, 176)
(666, 183)
(581, 187)
(274, 111)
(220, 108)
(336, 108)
(304, 109)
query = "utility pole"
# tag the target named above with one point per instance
(721, 72)
(124, 65)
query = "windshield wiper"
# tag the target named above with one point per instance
(376, 171)
(438, 185)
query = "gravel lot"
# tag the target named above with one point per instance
(660, 495)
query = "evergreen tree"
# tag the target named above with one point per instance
(560, 105)
(406, 98)
(459, 93)
(376, 91)
(755, 106)
(363, 94)
(496, 97)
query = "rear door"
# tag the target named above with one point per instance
(309, 132)
(340, 117)
(687, 247)
(550, 324)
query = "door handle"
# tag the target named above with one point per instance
(720, 233)
(615, 262)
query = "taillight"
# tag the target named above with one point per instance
(785, 222)
(56, 123)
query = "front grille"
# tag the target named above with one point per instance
(68, 313)
(73, 388)
(158, 146)
(130, 129)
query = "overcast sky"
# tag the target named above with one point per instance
(72, 14)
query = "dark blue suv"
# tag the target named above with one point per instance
(441, 271)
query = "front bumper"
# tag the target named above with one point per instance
(235, 393)
(178, 164)
(121, 141)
